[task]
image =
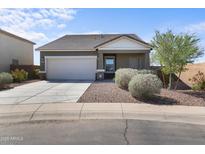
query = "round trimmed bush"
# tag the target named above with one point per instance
(5, 78)
(123, 77)
(144, 71)
(145, 85)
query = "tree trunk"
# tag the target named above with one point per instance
(163, 78)
(178, 78)
(170, 81)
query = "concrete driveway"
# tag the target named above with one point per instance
(44, 92)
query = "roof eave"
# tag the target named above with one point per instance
(17, 37)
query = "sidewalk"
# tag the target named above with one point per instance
(78, 111)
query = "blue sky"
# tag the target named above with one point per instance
(44, 25)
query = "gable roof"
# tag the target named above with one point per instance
(85, 42)
(131, 36)
(15, 36)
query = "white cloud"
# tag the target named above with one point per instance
(66, 14)
(31, 35)
(29, 23)
(35, 36)
(61, 26)
(199, 29)
(37, 15)
(196, 28)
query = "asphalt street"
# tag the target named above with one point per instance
(92, 132)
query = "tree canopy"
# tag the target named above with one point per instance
(174, 51)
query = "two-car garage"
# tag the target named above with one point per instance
(70, 67)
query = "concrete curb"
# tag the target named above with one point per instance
(83, 111)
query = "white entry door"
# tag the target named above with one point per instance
(71, 67)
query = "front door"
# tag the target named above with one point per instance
(109, 64)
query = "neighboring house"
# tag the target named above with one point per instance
(81, 56)
(14, 50)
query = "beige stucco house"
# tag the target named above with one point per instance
(14, 50)
(87, 57)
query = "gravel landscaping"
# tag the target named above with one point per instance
(101, 92)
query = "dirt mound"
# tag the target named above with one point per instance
(192, 70)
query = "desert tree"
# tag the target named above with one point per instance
(175, 51)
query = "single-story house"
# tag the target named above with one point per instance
(14, 50)
(90, 57)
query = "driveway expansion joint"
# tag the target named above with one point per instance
(37, 94)
(32, 115)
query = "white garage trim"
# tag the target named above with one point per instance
(64, 50)
(73, 58)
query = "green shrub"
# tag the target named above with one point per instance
(123, 77)
(145, 85)
(19, 75)
(198, 81)
(199, 86)
(5, 78)
(144, 71)
(34, 74)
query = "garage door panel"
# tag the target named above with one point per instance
(71, 68)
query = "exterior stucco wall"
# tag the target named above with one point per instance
(63, 53)
(123, 60)
(12, 48)
(127, 59)
(100, 61)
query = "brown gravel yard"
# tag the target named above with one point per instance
(101, 92)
